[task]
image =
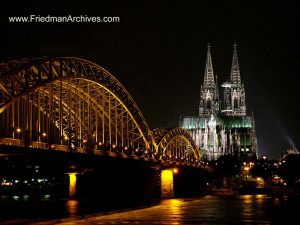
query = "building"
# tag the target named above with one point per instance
(222, 128)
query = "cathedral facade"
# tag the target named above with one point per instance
(223, 126)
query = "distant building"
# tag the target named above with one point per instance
(222, 128)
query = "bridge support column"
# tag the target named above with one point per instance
(167, 186)
(72, 184)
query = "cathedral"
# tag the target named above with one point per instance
(223, 126)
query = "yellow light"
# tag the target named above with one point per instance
(72, 186)
(44, 134)
(246, 196)
(175, 170)
(174, 206)
(100, 143)
(137, 150)
(167, 189)
(84, 141)
(113, 146)
(246, 168)
(18, 130)
(126, 148)
(260, 196)
(264, 157)
(259, 179)
(66, 138)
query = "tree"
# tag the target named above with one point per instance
(227, 166)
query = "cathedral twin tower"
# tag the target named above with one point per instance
(222, 129)
(234, 91)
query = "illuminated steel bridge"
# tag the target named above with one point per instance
(71, 104)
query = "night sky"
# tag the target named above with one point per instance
(158, 52)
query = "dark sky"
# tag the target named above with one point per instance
(158, 53)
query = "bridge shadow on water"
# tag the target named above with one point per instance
(27, 209)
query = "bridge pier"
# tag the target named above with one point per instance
(167, 184)
(72, 184)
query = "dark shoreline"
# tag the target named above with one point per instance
(254, 191)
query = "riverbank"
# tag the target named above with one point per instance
(254, 191)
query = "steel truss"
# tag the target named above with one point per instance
(72, 104)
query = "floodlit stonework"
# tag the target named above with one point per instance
(222, 128)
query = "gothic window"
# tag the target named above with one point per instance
(235, 103)
(208, 104)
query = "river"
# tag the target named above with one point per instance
(243, 209)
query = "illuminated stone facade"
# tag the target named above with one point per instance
(222, 129)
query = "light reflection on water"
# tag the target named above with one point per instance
(23, 198)
(174, 207)
(244, 209)
(252, 206)
(72, 207)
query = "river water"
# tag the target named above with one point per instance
(244, 209)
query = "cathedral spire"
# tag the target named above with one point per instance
(209, 96)
(235, 77)
(209, 81)
(234, 94)
(217, 88)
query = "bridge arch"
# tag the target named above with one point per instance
(56, 83)
(76, 103)
(177, 144)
